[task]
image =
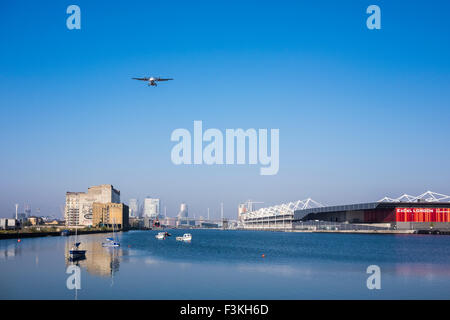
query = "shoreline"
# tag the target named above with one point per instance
(416, 232)
(360, 231)
(20, 235)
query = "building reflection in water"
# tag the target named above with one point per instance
(423, 270)
(10, 251)
(99, 261)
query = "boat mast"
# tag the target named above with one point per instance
(114, 235)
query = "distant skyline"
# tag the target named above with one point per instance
(362, 113)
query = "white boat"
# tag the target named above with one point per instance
(185, 237)
(161, 236)
(111, 242)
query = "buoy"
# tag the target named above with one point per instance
(18, 240)
(263, 255)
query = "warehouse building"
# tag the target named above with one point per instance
(9, 224)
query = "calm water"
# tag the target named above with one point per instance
(229, 265)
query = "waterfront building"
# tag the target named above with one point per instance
(136, 223)
(151, 208)
(242, 209)
(35, 221)
(109, 214)
(8, 224)
(78, 208)
(54, 222)
(134, 208)
(412, 214)
(205, 224)
(428, 211)
(149, 223)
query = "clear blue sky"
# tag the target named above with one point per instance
(362, 114)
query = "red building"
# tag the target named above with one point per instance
(419, 214)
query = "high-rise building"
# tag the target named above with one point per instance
(151, 208)
(134, 208)
(78, 209)
(183, 211)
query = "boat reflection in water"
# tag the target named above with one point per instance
(98, 260)
(76, 258)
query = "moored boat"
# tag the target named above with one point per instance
(185, 237)
(161, 235)
(111, 242)
(76, 253)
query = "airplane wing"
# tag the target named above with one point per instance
(142, 79)
(162, 79)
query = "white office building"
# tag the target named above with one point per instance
(8, 224)
(151, 208)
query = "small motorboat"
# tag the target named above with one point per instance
(65, 233)
(161, 235)
(185, 237)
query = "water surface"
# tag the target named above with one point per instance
(229, 265)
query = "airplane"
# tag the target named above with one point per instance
(153, 81)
